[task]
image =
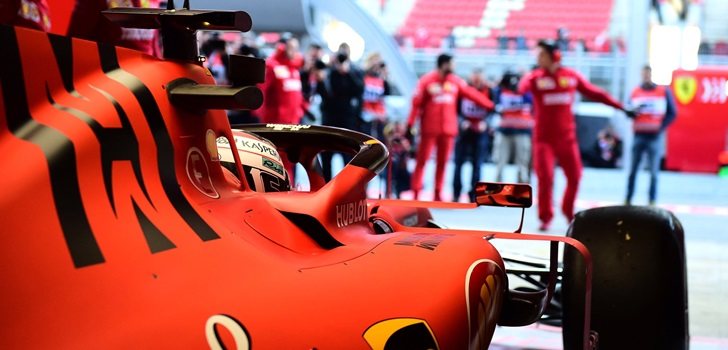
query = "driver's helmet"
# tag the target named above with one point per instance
(262, 165)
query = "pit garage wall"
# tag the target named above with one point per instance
(700, 131)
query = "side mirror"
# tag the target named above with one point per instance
(503, 195)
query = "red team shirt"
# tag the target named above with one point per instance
(653, 107)
(553, 97)
(374, 91)
(283, 98)
(435, 101)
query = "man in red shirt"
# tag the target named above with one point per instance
(282, 90)
(655, 112)
(435, 103)
(553, 88)
(283, 97)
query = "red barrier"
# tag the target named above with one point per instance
(700, 133)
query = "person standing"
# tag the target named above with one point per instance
(341, 92)
(473, 138)
(376, 87)
(553, 88)
(655, 111)
(283, 99)
(435, 104)
(513, 137)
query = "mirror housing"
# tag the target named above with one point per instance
(494, 194)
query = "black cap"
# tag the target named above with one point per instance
(285, 36)
(549, 45)
(442, 59)
(510, 81)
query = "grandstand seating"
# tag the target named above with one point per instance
(478, 23)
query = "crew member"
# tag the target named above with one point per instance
(655, 108)
(435, 104)
(473, 138)
(282, 96)
(553, 88)
(514, 131)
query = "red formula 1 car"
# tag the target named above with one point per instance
(133, 217)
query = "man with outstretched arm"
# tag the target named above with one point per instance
(554, 88)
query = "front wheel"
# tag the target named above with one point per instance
(639, 289)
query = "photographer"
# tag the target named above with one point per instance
(341, 94)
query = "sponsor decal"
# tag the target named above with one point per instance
(292, 85)
(545, 83)
(559, 98)
(424, 240)
(656, 105)
(434, 88)
(444, 98)
(273, 165)
(685, 89)
(257, 146)
(350, 213)
(289, 127)
(566, 82)
(448, 87)
(714, 90)
(199, 174)
(240, 338)
(401, 333)
(281, 72)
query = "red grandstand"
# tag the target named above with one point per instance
(483, 21)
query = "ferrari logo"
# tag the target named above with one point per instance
(448, 87)
(434, 89)
(566, 82)
(685, 89)
(545, 83)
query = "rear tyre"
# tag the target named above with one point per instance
(639, 288)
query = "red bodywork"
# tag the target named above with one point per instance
(120, 229)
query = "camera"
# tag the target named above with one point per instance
(341, 57)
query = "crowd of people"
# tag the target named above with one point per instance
(535, 126)
(524, 118)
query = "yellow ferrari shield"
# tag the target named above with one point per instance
(685, 89)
